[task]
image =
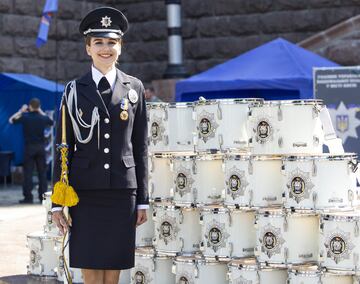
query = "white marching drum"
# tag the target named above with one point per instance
(160, 177)
(151, 268)
(307, 274)
(227, 232)
(198, 179)
(171, 127)
(177, 229)
(50, 228)
(247, 271)
(284, 127)
(319, 182)
(43, 258)
(252, 181)
(222, 124)
(145, 232)
(158, 132)
(196, 270)
(340, 240)
(286, 237)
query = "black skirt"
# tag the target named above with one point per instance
(102, 235)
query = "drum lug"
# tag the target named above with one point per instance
(314, 198)
(350, 195)
(257, 276)
(321, 256)
(280, 142)
(279, 114)
(154, 214)
(181, 217)
(316, 140)
(286, 224)
(286, 254)
(282, 167)
(219, 111)
(172, 192)
(41, 244)
(194, 167)
(321, 227)
(173, 268)
(201, 219)
(166, 114)
(229, 217)
(171, 164)
(256, 250)
(223, 168)
(221, 141)
(250, 167)
(356, 260)
(181, 240)
(166, 138)
(353, 165)
(228, 276)
(202, 247)
(154, 265)
(251, 197)
(316, 110)
(195, 193)
(314, 169)
(152, 188)
(223, 193)
(356, 229)
(151, 164)
(231, 248)
(196, 272)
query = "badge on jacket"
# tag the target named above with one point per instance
(133, 96)
(124, 106)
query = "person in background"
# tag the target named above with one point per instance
(34, 122)
(150, 95)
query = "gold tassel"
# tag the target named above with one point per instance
(58, 195)
(71, 198)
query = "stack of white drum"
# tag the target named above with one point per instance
(46, 258)
(241, 192)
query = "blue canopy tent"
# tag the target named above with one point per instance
(275, 70)
(16, 90)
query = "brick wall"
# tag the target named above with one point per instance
(214, 31)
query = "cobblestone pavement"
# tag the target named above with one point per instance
(16, 221)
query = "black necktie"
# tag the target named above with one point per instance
(105, 90)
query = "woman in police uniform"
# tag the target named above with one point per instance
(106, 131)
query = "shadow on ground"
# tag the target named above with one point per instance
(26, 279)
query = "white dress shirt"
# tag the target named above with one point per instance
(111, 77)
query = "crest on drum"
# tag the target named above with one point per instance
(156, 130)
(216, 235)
(168, 229)
(263, 130)
(242, 280)
(300, 185)
(338, 245)
(271, 241)
(236, 183)
(183, 181)
(207, 126)
(141, 275)
(185, 278)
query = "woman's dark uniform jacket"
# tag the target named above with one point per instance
(120, 162)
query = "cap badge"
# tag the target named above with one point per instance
(106, 21)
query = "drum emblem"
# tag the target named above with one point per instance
(156, 130)
(338, 245)
(263, 130)
(207, 126)
(236, 183)
(168, 229)
(271, 240)
(216, 236)
(141, 275)
(185, 278)
(300, 185)
(183, 181)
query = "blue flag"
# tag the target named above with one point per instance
(51, 7)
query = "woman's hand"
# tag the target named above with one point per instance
(59, 219)
(141, 217)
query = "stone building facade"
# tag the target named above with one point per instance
(213, 32)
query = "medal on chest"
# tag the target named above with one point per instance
(124, 106)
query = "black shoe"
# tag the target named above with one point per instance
(26, 201)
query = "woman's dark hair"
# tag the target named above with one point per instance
(88, 40)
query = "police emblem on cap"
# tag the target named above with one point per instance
(106, 21)
(133, 96)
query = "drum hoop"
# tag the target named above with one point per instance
(254, 101)
(209, 208)
(278, 212)
(160, 155)
(164, 255)
(42, 237)
(293, 102)
(181, 105)
(346, 218)
(339, 272)
(248, 157)
(325, 156)
(155, 105)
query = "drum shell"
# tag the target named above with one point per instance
(184, 234)
(259, 180)
(199, 271)
(234, 232)
(158, 135)
(278, 239)
(50, 228)
(43, 258)
(323, 277)
(145, 232)
(160, 177)
(327, 182)
(339, 240)
(291, 127)
(156, 270)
